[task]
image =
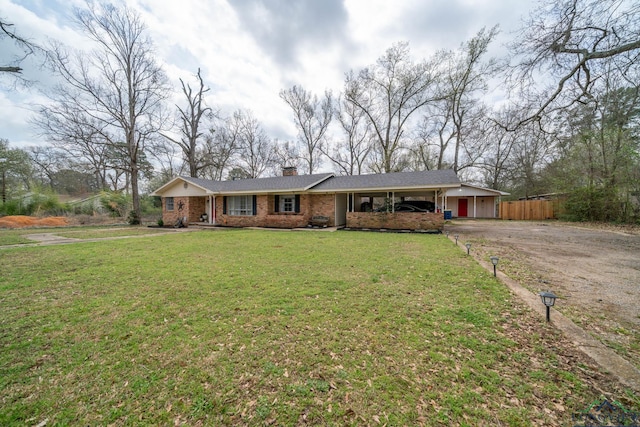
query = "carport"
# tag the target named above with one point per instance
(365, 194)
(470, 201)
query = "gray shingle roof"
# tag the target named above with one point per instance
(391, 181)
(327, 182)
(261, 185)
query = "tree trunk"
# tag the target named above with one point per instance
(134, 191)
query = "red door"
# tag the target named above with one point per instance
(462, 207)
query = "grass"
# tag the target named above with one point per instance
(259, 327)
(18, 236)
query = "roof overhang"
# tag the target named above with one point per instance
(183, 186)
(178, 181)
(261, 191)
(434, 187)
(476, 190)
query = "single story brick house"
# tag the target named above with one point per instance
(293, 201)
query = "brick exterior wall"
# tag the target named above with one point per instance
(396, 221)
(170, 217)
(310, 205)
(192, 209)
(324, 205)
(197, 206)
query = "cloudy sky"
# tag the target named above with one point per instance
(248, 50)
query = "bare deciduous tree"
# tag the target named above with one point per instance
(83, 138)
(533, 150)
(221, 145)
(285, 154)
(27, 48)
(14, 55)
(255, 150)
(167, 157)
(389, 93)
(350, 155)
(567, 43)
(312, 118)
(494, 164)
(118, 86)
(190, 118)
(453, 124)
(47, 161)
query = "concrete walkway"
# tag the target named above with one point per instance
(606, 358)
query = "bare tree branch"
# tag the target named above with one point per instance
(571, 42)
(191, 118)
(389, 93)
(116, 90)
(312, 118)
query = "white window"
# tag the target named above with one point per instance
(169, 203)
(240, 205)
(287, 203)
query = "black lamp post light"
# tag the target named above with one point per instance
(456, 236)
(548, 299)
(494, 261)
(446, 233)
(468, 245)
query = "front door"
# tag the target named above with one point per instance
(462, 207)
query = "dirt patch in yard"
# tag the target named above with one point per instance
(22, 221)
(595, 270)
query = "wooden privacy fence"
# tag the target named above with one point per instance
(529, 209)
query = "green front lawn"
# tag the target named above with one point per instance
(264, 327)
(18, 236)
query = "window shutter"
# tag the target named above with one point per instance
(277, 204)
(297, 203)
(255, 204)
(224, 205)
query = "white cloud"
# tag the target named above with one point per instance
(249, 50)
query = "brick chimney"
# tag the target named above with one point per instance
(289, 171)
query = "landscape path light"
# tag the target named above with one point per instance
(468, 245)
(456, 236)
(548, 299)
(446, 233)
(494, 261)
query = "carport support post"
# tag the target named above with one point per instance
(475, 202)
(212, 209)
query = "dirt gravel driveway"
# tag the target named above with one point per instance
(595, 272)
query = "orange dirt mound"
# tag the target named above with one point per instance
(21, 221)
